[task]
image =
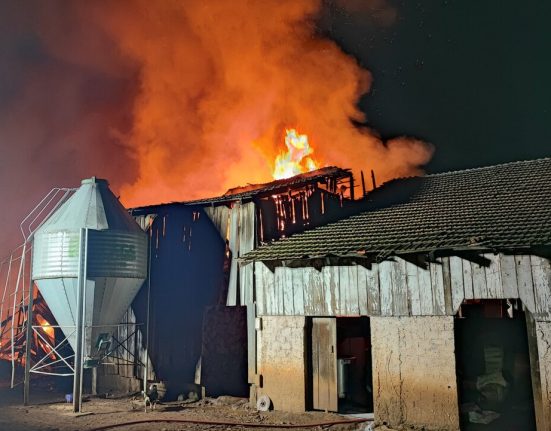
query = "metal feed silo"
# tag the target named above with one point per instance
(114, 255)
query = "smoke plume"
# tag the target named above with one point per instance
(174, 100)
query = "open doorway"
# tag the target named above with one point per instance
(354, 367)
(340, 365)
(493, 367)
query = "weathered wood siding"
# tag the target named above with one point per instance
(400, 288)
(237, 225)
(128, 357)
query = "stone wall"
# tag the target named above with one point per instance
(414, 373)
(282, 362)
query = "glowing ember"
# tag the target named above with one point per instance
(295, 160)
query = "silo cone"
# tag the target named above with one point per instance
(116, 262)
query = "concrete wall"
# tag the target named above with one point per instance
(414, 375)
(282, 363)
(116, 384)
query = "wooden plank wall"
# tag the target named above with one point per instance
(237, 224)
(399, 288)
(131, 352)
(220, 217)
(246, 244)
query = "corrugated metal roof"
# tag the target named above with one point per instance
(93, 206)
(505, 206)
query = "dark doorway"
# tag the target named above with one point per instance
(493, 367)
(354, 366)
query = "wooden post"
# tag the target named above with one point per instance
(351, 187)
(363, 184)
(373, 179)
(535, 373)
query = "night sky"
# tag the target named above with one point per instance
(471, 77)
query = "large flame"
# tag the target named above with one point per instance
(181, 99)
(295, 160)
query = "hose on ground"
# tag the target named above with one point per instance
(222, 423)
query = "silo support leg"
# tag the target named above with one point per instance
(81, 293)
(29, 337)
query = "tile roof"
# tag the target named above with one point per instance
(502, 207)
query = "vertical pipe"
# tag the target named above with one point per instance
(146, 352)
(84, 295)
(29, 337)
(21, 266)
(4, 294)
(351, 187)
(363, 185)
(77, 380)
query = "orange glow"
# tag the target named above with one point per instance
(48, 332)
(296, 159)
(202, 126)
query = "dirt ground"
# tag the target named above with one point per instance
(49, 412)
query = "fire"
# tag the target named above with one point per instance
(49, 335)
(46, 327)
(183, 129)
(295, 160)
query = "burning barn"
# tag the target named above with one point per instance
(201, 303)
(431, 307)
(426, 302)
(191, 324)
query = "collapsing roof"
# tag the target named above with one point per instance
(502, 207)
(278, 186)
(330, 173)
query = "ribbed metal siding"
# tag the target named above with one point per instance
(55, 254)
(114, 253)
(110, 254)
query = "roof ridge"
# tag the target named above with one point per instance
(482, 168)
(461, 171)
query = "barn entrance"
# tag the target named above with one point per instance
(493, 367)
(340, 365)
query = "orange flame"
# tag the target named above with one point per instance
(49, 334)
(295, 160)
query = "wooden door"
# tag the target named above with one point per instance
(324, 363)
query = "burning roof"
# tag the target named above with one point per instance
(277, 186)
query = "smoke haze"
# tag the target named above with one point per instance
(176, 100)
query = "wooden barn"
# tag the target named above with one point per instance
(430, 308)
(199, 299)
